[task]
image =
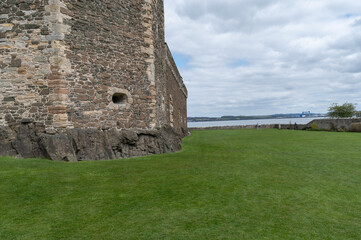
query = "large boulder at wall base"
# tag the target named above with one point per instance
(355, 127)
(29, 141)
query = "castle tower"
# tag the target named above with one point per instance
(81, 74)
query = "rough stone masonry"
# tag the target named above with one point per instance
(88, 80)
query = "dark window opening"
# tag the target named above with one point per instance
(119, 98)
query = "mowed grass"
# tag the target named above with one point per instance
(231, 184)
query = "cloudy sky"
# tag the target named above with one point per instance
(254, 57)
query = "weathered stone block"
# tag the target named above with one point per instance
(9, 99)
(15, 63)
(31, 26)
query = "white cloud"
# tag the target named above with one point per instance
(300, 55)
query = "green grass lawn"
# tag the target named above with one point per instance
(231, 184)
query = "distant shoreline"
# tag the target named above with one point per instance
(267, 121)
(222, 119)
(264, 126)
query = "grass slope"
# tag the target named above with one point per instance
(235, 184)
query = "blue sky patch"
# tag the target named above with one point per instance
(241, 62)
(181, 60)
(349, 15)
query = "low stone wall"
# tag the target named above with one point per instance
(334, 124)
(31, 141)
(265, 126)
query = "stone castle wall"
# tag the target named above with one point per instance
(103, 64)
(176, 97)
(112, 51)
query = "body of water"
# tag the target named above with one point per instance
(251, 122)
